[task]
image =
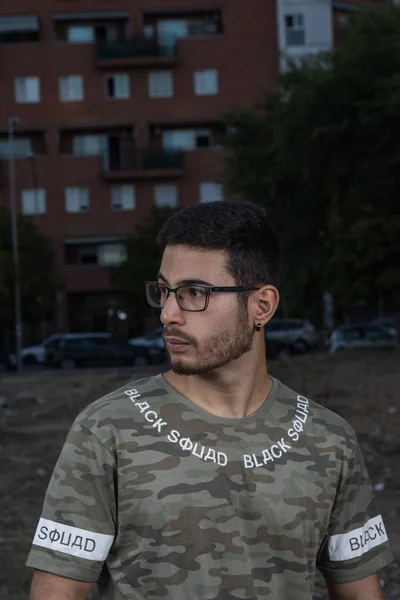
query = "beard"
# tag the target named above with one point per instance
(219, 350)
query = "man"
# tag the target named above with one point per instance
(213, 481)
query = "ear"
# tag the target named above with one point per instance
(266, 302)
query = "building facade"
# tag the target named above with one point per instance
(118, 107)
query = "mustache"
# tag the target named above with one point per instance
(172, 332)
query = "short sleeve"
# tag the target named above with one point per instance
(77, 526)
(357, 544)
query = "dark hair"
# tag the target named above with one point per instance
(242, 229)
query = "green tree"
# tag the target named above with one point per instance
(143, 262)
(323, 156)
(38, 275)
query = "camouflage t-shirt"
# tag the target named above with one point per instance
(155, 498)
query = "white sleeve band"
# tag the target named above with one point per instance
(346, 546)
(72, 540)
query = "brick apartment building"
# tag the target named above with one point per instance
(119, 108)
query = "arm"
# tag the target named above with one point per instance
(356, 545)
(368, 588)
(77, 527)
(46, 586)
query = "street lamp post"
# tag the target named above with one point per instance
(12, 122)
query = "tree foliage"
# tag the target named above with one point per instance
(323, 155)
(38, 275)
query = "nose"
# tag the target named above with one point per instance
(172, 312)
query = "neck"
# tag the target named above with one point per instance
(235, 390)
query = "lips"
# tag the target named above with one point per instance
(173, 343)
(174, 340)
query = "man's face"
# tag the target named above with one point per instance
(214, 337)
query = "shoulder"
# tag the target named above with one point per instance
(324, 425)
(114, 410)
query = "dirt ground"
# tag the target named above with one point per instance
(37, 409)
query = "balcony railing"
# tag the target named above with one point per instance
(144, 162)
(138, 47)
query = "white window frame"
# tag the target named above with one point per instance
(82, 40)
(33, 201)
(27, 90)
(21, 148)
(179, 139)
(298, 27)
(211, 191)
(206, 82)
(78, 204)
(122, 86)
(166, 194)
(123, 197)
(67, 92)
(170, 30)
(85, 145)
(157, 80)
(188, 137)
(119, 256)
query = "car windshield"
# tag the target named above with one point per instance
(377, 333)
(352, 333)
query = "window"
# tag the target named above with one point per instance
(88, 145)
(21, 148)
(351, 335)
(166, 195)
(148, 31)
(80, 34)
(106, 253)
(123, 197)
(71, 88)
(179, 139)
(295, 32)
(210, 191)
(76, 199)
(208, 26)
(33, 202)
(86, 343)
(84, 33)
(171, 30)
(377, 333)
(160, 84)
(118, 86)
(206, 82)
(186, 139)
(27, 90)
(81, 255)
(111, 254)
(15, 29)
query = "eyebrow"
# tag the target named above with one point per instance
(192, 281)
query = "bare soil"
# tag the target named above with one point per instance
(37, 409)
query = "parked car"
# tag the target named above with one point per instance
(362, 335)
(153, 339)
(92, 351)
(33, 355)
(292, 335)
(388, 322)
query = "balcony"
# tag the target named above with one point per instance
(144, 164)
(137, 51)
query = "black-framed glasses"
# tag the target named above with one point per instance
(192, 298)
